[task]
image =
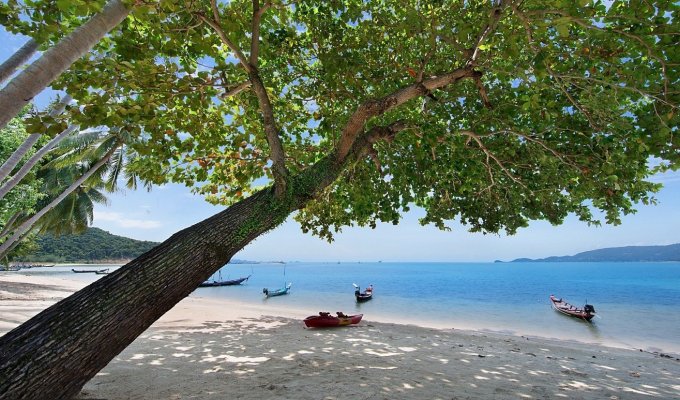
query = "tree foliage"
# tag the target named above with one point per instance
(560, 108)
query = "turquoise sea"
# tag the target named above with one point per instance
(638, 304)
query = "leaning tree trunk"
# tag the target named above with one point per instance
(56, 352)
(57, 59)
(19, 58)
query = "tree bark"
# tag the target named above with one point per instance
(18, 154)
(57, 59)
(55, 353)
(19, 58)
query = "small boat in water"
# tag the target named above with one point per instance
(586, 313)
(277, 292)
(326, 320)
(365, 296)
(231, 282)
(90, 271)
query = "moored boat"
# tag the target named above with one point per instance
(326, 320)
(231, 282)
(277, 292)
(365, 296)
(89, 271)
(586, 313)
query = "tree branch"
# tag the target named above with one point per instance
(490, 155)
(373, 108)
(236, 89)
(495, 16)
(277, 153)
(217, 27)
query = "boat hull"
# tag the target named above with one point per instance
(325, 320)
(232, 282)
(565, 308)
(277, 292)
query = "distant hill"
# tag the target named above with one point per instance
(629, 253)
(92, 246)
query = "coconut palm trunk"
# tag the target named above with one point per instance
(19, 58)
(9, 224)
(20, 90)
(21, 151)
(28, 224)
(31, 162)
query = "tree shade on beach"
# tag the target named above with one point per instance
(539, 110)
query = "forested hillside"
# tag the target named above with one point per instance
(95, 245)
(622, 254)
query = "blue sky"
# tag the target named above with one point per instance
(158, 214)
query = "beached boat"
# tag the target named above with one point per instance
(277, 292)
(326, 320)
(586, 313)
(231, 282)
(365, 296)
(89, 271)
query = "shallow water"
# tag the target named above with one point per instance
(636, 303)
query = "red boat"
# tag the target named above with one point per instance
(586, 313)
(326, 320)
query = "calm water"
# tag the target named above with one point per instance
(637, 303)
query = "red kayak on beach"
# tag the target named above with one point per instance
(326, 320)
(587, 312)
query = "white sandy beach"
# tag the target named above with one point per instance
(217, 349)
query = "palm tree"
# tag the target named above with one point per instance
(20, 90)
(90, 151)
(26, 146)
(87, 162)
(19, 58)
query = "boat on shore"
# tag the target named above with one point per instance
(277, 292)
(231, 282)
(326, 320)
(365, 296)
(586, 313)
(90, 271)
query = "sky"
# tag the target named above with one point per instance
(156, 215)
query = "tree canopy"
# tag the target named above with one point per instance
(537, 109)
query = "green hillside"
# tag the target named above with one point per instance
(93, 246)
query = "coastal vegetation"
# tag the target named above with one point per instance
(488, 113)
(92, 246)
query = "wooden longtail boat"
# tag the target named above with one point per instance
(277, 292)
(89, 271)
(365, 296)
(224, 283)
(326, 320)
(586, 313)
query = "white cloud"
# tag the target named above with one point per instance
(120, 220)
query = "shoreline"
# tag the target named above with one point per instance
(62, 287)
(209, 348)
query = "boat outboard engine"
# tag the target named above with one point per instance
(357, 292)
(265, 291)
(589, 309)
